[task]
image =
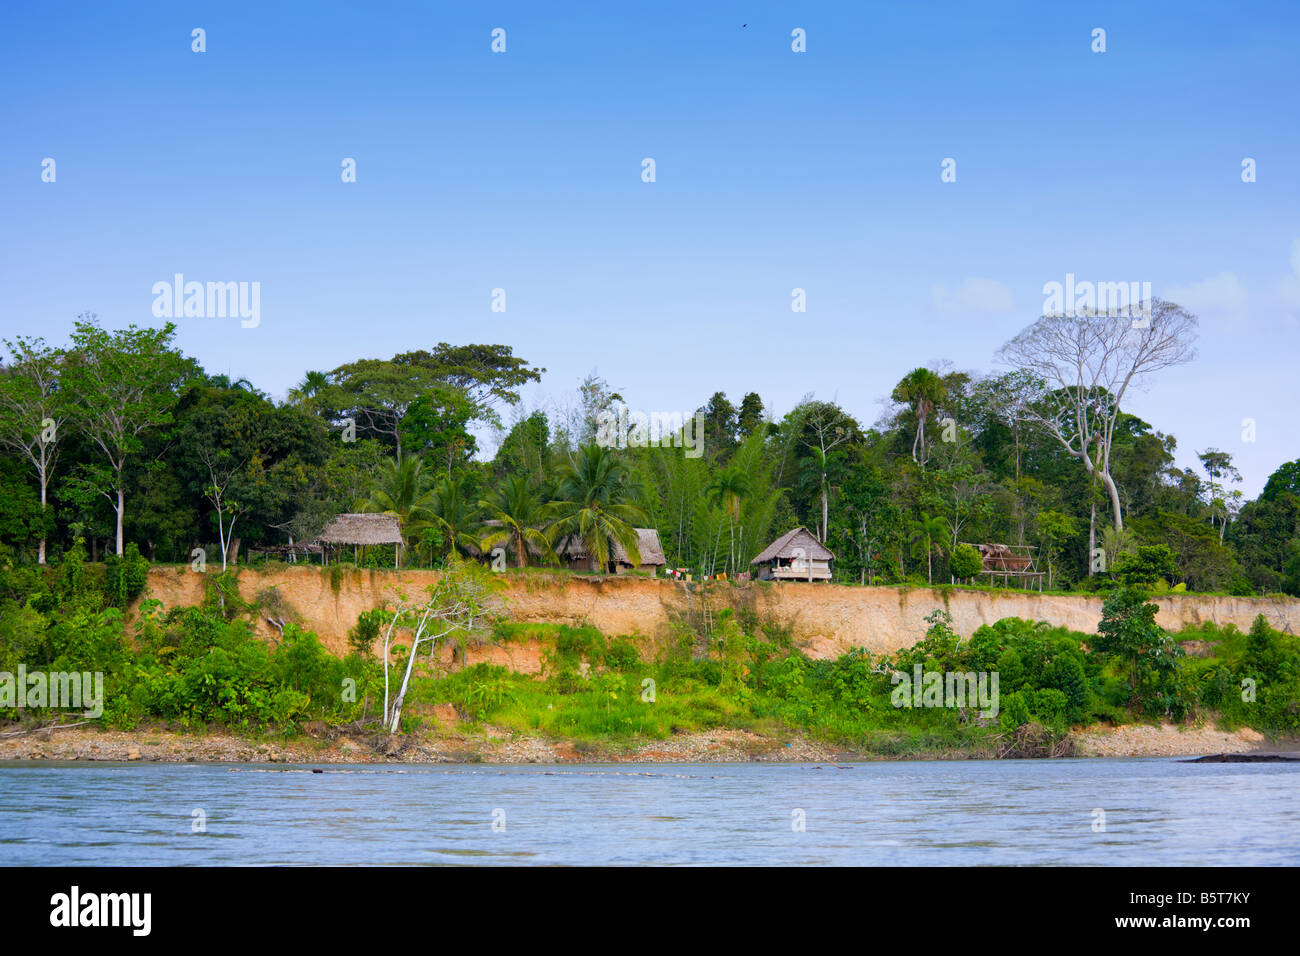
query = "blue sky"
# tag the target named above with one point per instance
(775, 170)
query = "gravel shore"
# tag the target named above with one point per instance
(502, 747)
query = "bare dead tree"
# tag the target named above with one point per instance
(1089, 361)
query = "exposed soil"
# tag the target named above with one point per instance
(328, 745)
(490, 745)
(824, 619)
(1171, 740)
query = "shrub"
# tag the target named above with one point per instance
(125, 577)
(965, 561)
(363, 634)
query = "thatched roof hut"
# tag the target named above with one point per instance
(573, 552)
(1002, 557)
(362, 529)
(795, 556)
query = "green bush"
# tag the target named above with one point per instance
(125, 577)
(965, 561)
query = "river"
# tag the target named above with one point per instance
(1028, 812)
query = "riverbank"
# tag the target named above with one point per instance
(823, 621)
(495, 746)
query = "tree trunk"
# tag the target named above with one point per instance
(121, 507)
(733, 543)
(1092, 537)
(1113, 490)
(40, 553)
(825, 510)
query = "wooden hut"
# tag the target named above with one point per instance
(1010, 562)
(795, 556)
(360, 531)
(573, 554)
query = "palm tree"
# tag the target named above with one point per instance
(403, 489)
(520, 511)
(923, 390)
(455, 514)
(928, 533)
(591, 505)
(730, 486)
(313, 384)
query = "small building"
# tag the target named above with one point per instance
(573, 554)
(361, 531)
(795, 556)
(1010, 562)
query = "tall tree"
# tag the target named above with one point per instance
(923, 390)
(376, 393)
(435, 425)
(719, 425)
(823, 427)
(750, 416)
(32, 410)
(730, 487)
(1218, 464)
(125, 384)
(1089, 361)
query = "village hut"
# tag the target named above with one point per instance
(1010, 562)
(795, 556)
(573, 553)
(360, 531)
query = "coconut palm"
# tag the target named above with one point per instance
(403, 488)
(729, 487)
(591, 505)
(521, 512)
(455, 513)
(927, 536)
(923, 390)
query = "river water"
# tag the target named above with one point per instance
(1026, 812)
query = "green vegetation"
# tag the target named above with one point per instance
(187, 666)
(199, 666)
(116, 438)
(119, 451)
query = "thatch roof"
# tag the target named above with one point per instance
(362, 529)
(652, 551)
(784, 547)
(1002, 557)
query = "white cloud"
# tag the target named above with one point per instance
(1221, 296)
(985, 296)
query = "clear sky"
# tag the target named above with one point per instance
(774, 170)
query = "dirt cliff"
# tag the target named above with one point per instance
(825, 619)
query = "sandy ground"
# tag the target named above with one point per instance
(496, 746)
(488, 747)
(1171, 740)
